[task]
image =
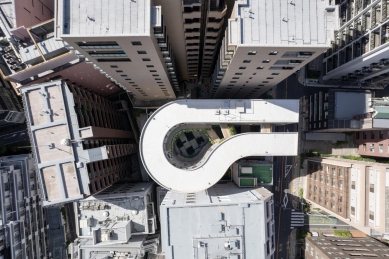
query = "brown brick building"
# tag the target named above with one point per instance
(372, 143)
(339, 247)
(328, 186)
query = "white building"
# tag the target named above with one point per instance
(162, 129)
(126, 41)
(359, 55)
(220, 222)
(119, 221)
(266, 41)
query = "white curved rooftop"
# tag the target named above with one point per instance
(157, 128)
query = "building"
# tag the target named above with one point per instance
(186, 125)
(372, 143)
(252, 172)
(334, 247)
(11, 111)
(137, 57)
(359, 53)
(222, 221)
(23, 232)
(196, 44)
(81, 141)
(119, 222)
(254, 57)
(354, 191)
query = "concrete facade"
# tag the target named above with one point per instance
(222, 221)
(80, 141)
(119, 221)
(138, 58)
(254, 57)
(23, 232)
(160, 133)
(367, 206)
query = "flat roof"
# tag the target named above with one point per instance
(104, 17)
(216, 162)
(283, 23)
(343, 104)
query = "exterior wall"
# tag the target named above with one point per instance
(23, 224)
(372, 143)
(335, 247)
(367, 192)
(31, 12)
(328, 186)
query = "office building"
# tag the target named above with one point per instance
(11, 111)
(359, 55)
(353, 191)
(266, 41)
(127, 43)
(80, 140)
(119, 222)
(181, 152)
(196, 44)
(23, 232)
(222, 222)
(356, 246)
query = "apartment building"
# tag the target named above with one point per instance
(372, 143)
(335, 247)
(354, 191)
(80, 140)
(359, 53)
(119, 222)
(254, 56)
(221, 222)
(11, 112)
(23, 232)
(127, 43)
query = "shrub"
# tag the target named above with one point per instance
(342, 233)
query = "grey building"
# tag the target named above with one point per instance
(81, 141)
(119, 222)
(23, 226)
(220, 222)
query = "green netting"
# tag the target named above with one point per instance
(246, 182)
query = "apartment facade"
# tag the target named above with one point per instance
(81, 141)
(372, 143)
(254, 57)
(23, 232)
(335, 247)
(208, 221)
(359, 53)
(119, 222)
(358, 197)
(138, 58)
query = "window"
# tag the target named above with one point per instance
(269, 77)
(155, 75)
(364, 135)
(119, 71)
(381, 134)
(381, 148)
(371, 147)
(149, 65)
(372, 188)
(242, 67)
(233, 82)
(266, 61)
(247, 61)
(340, 184)
(372, 135)
(265, 82)
(235, 78)
(275, 74)
(136, 43)
(252, 52)
(123, 75)
(273, 53)
(353, 185)
(141, 52)
(146, 59)
(340, 172)
(371, 215)
(113, 66)
(357, 135)
(333, 171)
(261, 67)
(340, 198)
(339, 209)
(352, 210)
(364, 147)
(238, 74)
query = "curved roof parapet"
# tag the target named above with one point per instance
(158, 127)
